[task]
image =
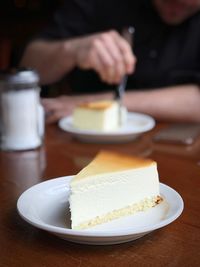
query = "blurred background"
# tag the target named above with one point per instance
(19, 21)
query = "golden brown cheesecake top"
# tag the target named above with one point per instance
(107, 162)
(97, 105)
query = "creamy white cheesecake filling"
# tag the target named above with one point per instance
(104, 193)
(98, 120)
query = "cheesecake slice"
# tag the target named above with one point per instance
(113, 185)
(102, 116)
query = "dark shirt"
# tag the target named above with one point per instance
(166, 55)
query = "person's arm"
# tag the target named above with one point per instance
(107, 53)
(51, 59)
(176, 103)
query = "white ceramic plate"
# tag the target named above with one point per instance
(45, 206)
(137, 123)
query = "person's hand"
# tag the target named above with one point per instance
(59, 107)
(109, 54)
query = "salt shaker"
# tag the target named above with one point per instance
(21, 114)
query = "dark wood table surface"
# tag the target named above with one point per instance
(22, 245)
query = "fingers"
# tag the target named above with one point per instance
(55, 109)
(127, 54)
(109, 54)
(50, 103)
(105, 62)
(120, 51)
(55, 116)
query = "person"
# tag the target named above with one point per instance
(84, 42)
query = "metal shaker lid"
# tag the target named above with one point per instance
(19, 76)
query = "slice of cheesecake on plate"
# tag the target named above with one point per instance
(113, 185)
(102, 116)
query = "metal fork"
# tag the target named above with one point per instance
(128, 34)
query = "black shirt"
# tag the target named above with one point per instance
(166, 55)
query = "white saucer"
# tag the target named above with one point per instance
(137, 123)
(45, 206)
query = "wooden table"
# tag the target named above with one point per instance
(22, 245)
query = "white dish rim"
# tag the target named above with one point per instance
(99, 233)
(66, 125)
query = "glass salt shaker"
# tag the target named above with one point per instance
(21, 114)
